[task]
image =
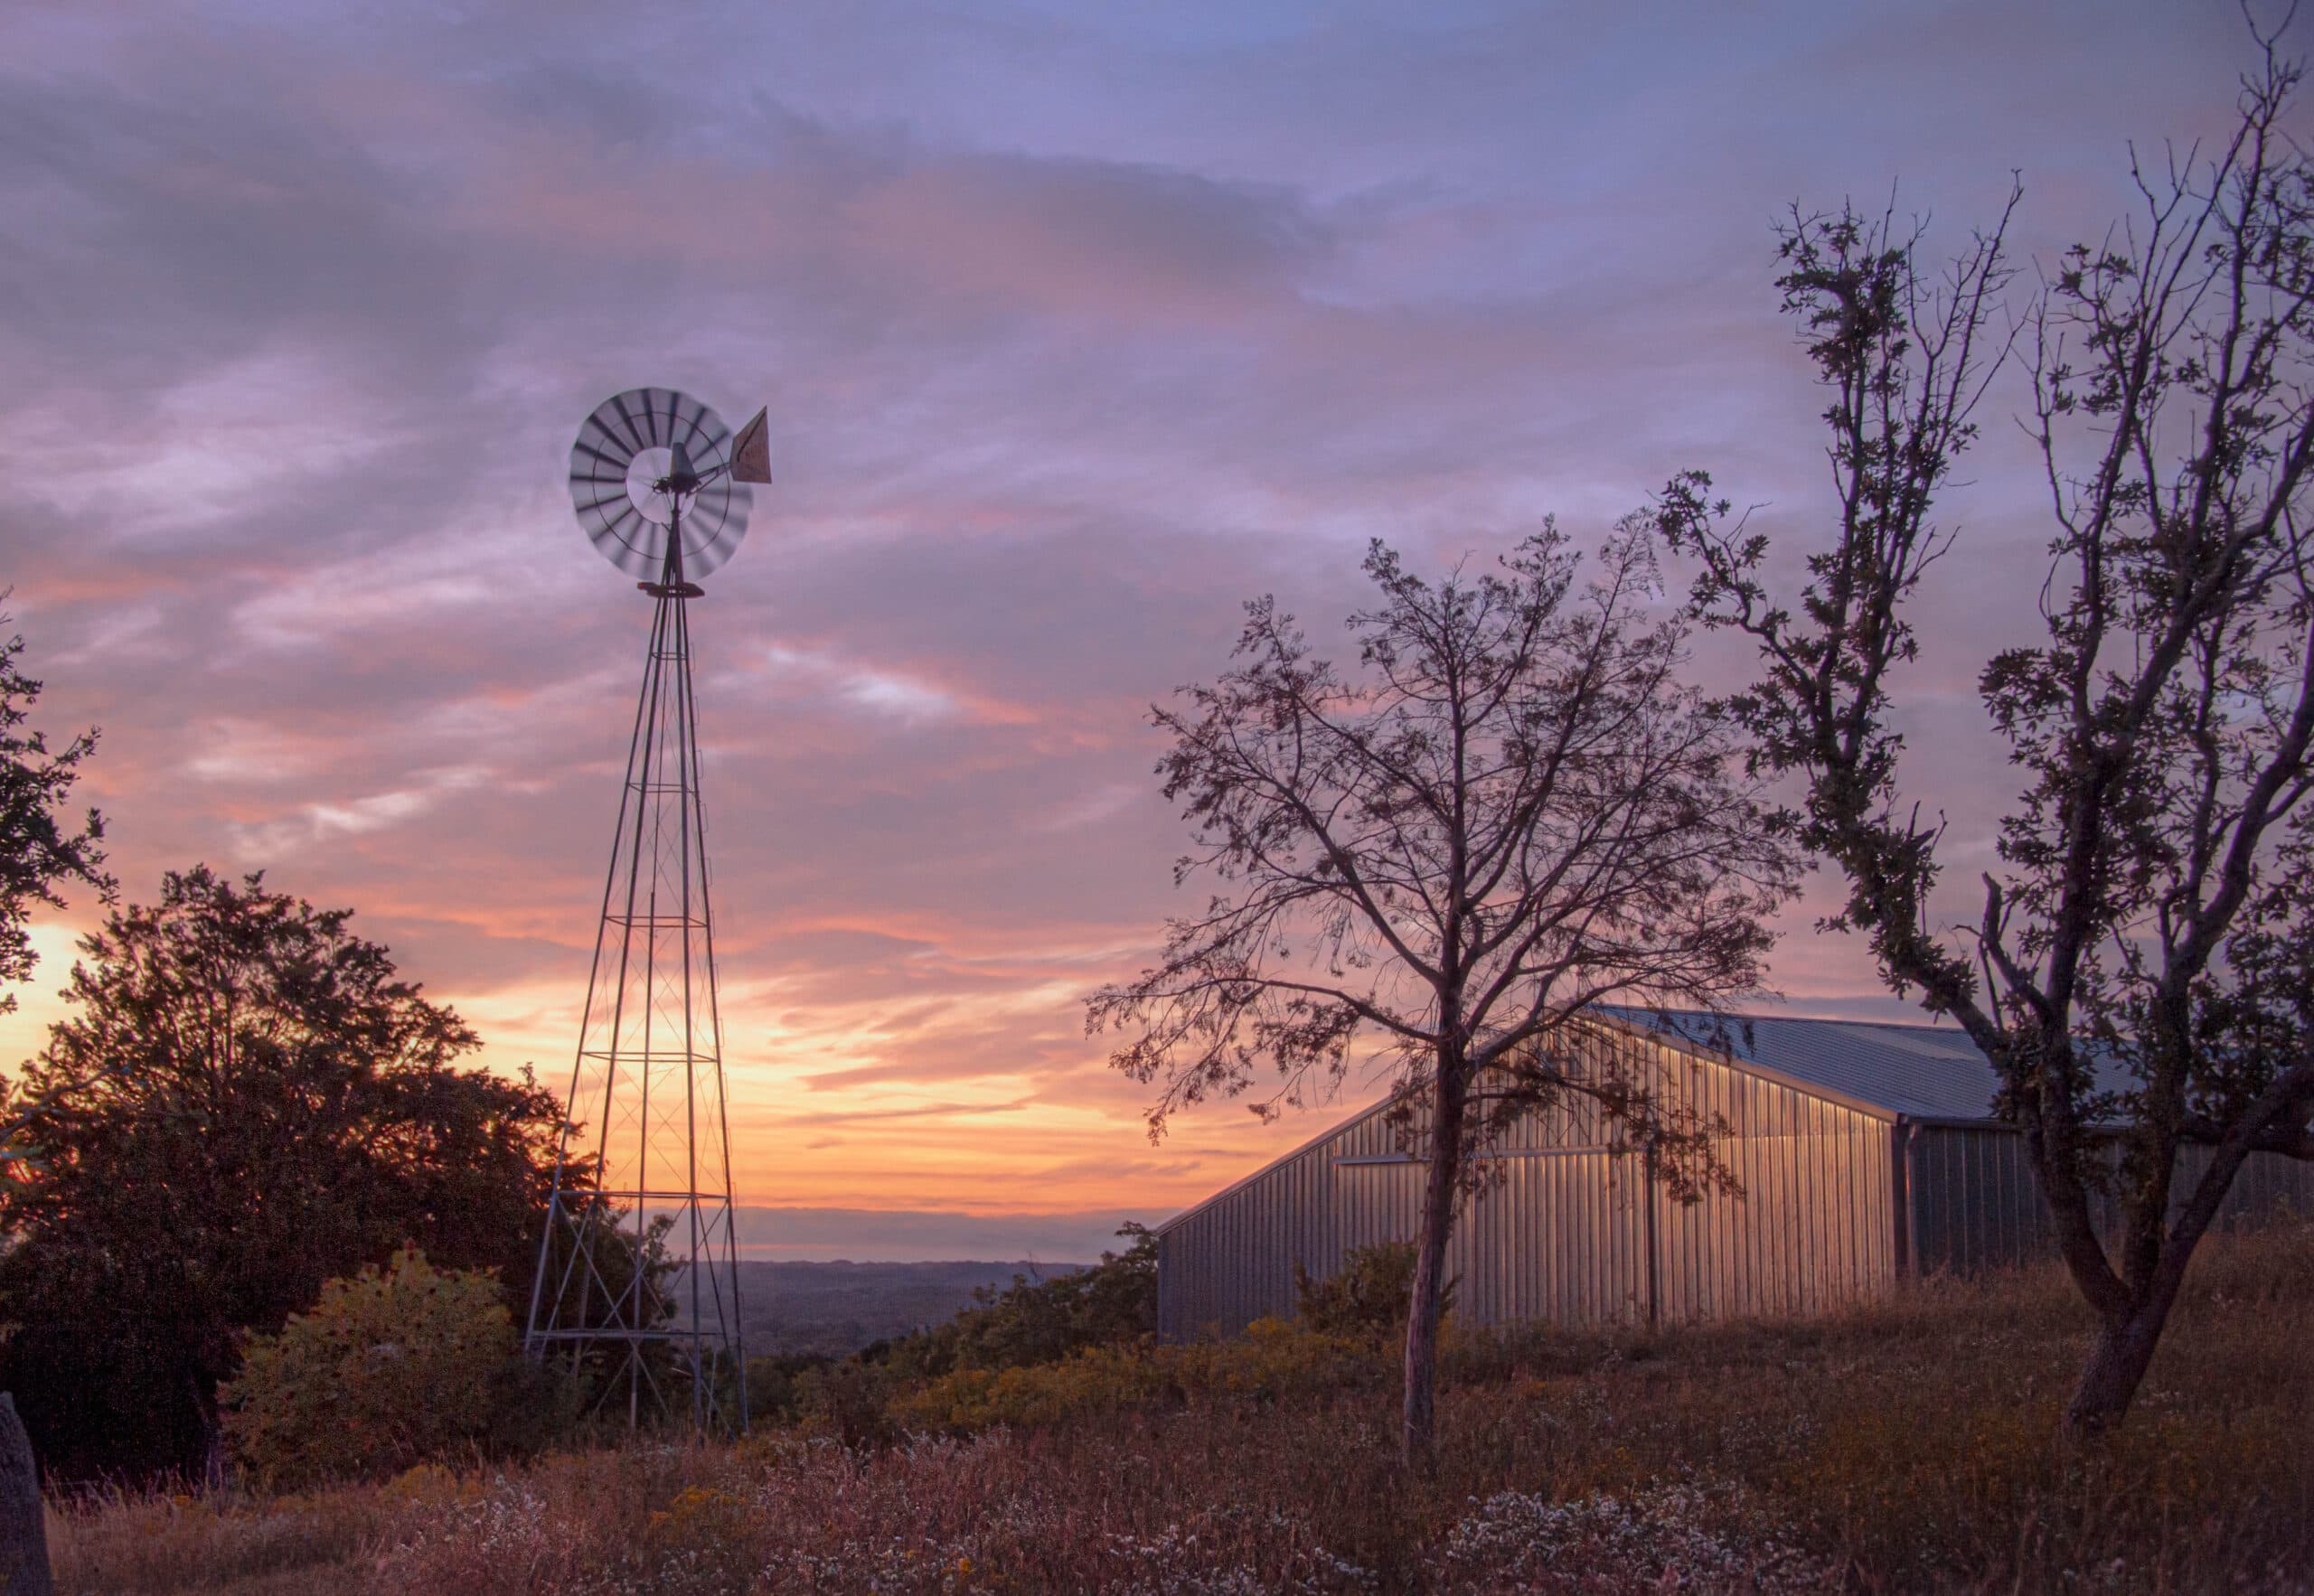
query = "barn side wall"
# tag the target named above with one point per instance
(1566, 1229)
(1976, 1203)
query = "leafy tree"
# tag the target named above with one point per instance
(390, 1369)
(246, 1103)
(39, 847)
(39, 851)
(1510, 812)
(2150, 910)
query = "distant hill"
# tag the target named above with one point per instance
(839, 1308)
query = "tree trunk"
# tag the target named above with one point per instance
(213, 1437)
(1420, 1433)
(2127, 1340)
(23, 1535)
(2118, 1360)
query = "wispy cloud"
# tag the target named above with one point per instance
(1078, 327)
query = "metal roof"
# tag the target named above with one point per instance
(1925, 1072)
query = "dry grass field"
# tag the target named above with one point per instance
(1908, 1448)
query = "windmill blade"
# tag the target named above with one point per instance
(712, 556)
(634, 412)
(627, 540)
(625, 513)
(706, 547)
(699, 437)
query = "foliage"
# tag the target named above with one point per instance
(848, 1399)
(391, 1369)
(39, 847)
(1272, 1359)
(1038, 1321)
(1031, 1325)
(603, 1373)
(1510, 812)
(2139, 972)
(39, 851)
(1903, 1447)
(1367, 1296)
(777, 1384)
(256, 1103)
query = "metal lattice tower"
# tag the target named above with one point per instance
(637, 1284)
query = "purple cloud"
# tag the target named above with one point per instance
(1078, 327)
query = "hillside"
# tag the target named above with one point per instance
(1907, 1447)
(838, 1307)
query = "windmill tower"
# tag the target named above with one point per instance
(637, 1284)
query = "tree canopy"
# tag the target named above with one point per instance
(248, 1101)
(40, 848)
(1510, 812)
(2138, 969)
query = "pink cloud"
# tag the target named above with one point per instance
(1075, 333)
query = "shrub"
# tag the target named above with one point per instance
(1273, 1359)
(779, 1384)
(846, 1400)
(1368, 1295)
(1039, 1321)
(390, 1369)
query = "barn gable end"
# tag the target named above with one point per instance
(1569, 1229)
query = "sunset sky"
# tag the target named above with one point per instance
(1079, 324)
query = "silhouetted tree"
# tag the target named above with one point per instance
(246, 1103)
(1510, 812)
(39, 849)
(2150, 913)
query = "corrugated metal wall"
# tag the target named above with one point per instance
(2267, 1182)
(1562, 1232)
(1977, 1204)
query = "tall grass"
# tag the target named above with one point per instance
(1907, 1447)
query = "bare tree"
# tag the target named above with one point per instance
(1511, 812)
(2139, 972)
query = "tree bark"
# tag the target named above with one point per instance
(1420, 1433)
(2118, 1361)
(2127, 1338)
(23, 1535)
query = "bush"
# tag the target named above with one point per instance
(1271, 1360)
(1368, 1295)
(1030, 1322)
(846, 1400)
(779, 1383)
(388, 1370)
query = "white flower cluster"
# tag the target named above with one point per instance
(1684, 1537)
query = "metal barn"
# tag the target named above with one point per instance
(1865, 1153)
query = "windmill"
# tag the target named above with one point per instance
(637, 1283)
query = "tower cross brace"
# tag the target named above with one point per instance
(636, 1290)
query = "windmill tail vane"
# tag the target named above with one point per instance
(636, 1289)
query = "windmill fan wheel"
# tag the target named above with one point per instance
(650, 465)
